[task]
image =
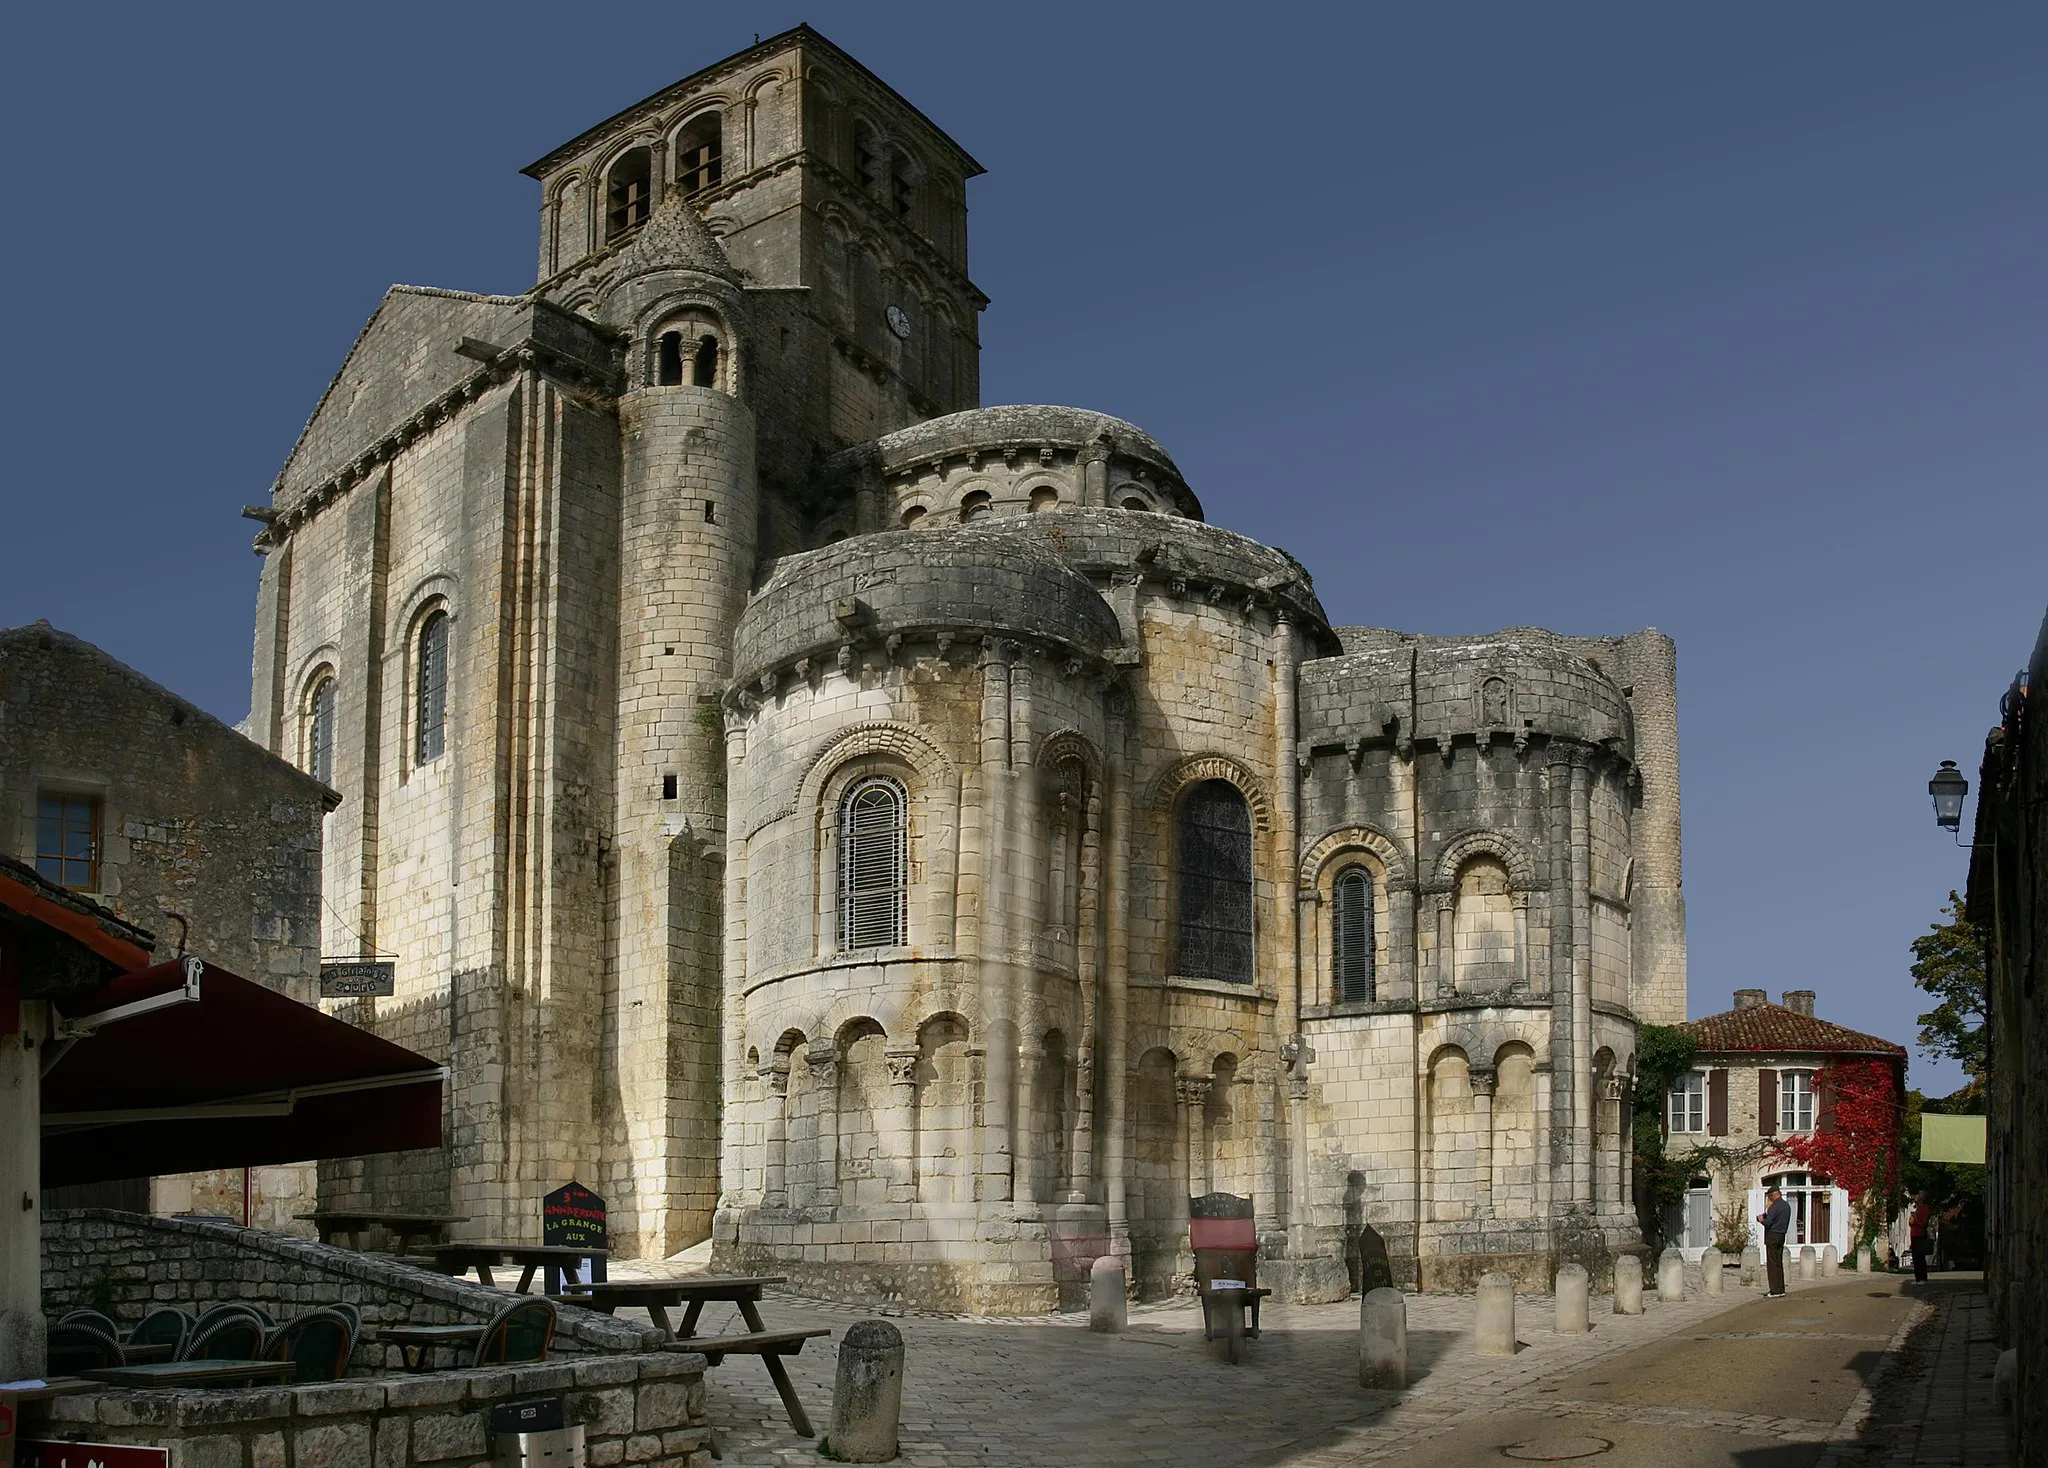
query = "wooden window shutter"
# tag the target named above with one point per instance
(1824, 1100)
(1767, 1103)
(1717, 1102)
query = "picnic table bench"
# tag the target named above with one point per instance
(194, 1373)
(460, 1258)
(658, 1296)
(416, 1342)
(406, 1228)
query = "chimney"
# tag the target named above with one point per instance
(1800, 1001)
(1749, 998)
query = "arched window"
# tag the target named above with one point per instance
(903, 186)
(704, 363)
(1215, 883)
(867, 157)
(976, 505)
(668, 365)
(628, 193)
(912, 515)
(700, 161)
(1045, 497)
(320, 731)
(1352, 948)
(1132, 502)
(873, 878)
(431, 722)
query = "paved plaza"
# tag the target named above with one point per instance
(1856, 1370)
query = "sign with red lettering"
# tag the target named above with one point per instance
(29, 1453)
(572, 1217)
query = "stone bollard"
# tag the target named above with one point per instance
(867, 1399)
(1863, 1259)
(1109, 1303)
(1711, 1267)
(2005, 1378)
(1809, 1262)
(1628, 1284)
(1830, 1261)
(1671, 1276)
(1752, 1264)
(1495, 1328)
(1574, 1293)
(1383, 1340)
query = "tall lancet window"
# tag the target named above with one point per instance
(320, 732)
(1351, 935)
(431, 737)
(1215, 884)
(873, 866)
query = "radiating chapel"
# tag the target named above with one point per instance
(898, 839)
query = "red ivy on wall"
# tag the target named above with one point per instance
(1858, 1140)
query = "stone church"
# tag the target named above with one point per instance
(901, 840)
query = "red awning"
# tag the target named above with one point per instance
(185, 1066)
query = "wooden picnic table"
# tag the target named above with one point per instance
(693, 1293)
(138, 1353)
(427, 1228)
(460, 1258)
(194, 1373)
(416, 1342)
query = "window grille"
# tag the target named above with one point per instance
(628, 196)
(1688, 1110)
(433, 688)
(873, 878)
(699, 154)
(1215, 884)
(1351, 933)
(1795, 1100)
(320, 733)
(68, 841)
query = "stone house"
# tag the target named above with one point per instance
(1753, 1084)
(117, 789)
(899, 839)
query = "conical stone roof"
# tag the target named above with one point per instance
(674, 238)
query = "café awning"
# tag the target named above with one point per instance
(184, 1066)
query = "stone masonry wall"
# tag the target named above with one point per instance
(637, 1409)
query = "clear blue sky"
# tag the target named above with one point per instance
(1724, 319)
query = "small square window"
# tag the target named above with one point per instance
(68, 840)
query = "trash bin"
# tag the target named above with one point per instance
(532, 1435)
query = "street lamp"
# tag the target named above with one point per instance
(1948, 787)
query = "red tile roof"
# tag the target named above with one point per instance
(1775, 1029)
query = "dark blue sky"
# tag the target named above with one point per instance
(1725, 319)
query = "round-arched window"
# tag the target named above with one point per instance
(873, 866)
(1352, 946)
(1215, 883)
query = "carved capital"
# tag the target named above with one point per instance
(1193, 1090)
(821, 1059)
(1484, 1080)
(775, 1076)
(902, 1065)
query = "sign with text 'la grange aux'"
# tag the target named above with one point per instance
(572, 1217)
(364, 978)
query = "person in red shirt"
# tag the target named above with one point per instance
(1917, 1227)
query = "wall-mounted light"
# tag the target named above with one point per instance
(1948, 787)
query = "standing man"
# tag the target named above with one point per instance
(1917, 1229)
(1776, 1218)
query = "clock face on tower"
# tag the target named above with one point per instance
(899, 322)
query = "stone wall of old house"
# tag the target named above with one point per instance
(204, 838)
(2008, 902)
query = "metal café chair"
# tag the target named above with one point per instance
(166, 1325)
(237, 1336)
(522, 1331)
(317, 1342)
(80, 1345)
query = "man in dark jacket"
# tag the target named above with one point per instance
(1776, 1219)
(1918, 1228)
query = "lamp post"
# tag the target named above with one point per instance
(1948, 787)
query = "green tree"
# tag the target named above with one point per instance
(1948, 962)
(1663, 1053)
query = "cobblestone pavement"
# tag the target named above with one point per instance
(1931, 1406)
(1712, 1380)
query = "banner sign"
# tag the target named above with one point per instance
(572, 1217)
(366, 978)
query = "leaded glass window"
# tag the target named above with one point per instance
(873, 866)
(1215, 884)
(433, 688)
(1352, 939)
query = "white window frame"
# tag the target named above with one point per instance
(874, 894)
(1686, 1104)
(1797, 1113)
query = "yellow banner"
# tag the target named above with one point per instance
(1951, 1138)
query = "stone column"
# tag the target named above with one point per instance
(1094, 467)
(824, 1063)
(1193, 1093)
(1026, 920)
(1087, 970)
(1286, 789)
(1582, 985)
(1484, 1081)
(1544, 1176)
(1446, 944)
(903, 1141)
(1114, 1089)
(775, 1163)
(997, 1034)
(1564, 1095)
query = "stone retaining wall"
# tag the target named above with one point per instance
(96, 1256)
(639, 1409)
